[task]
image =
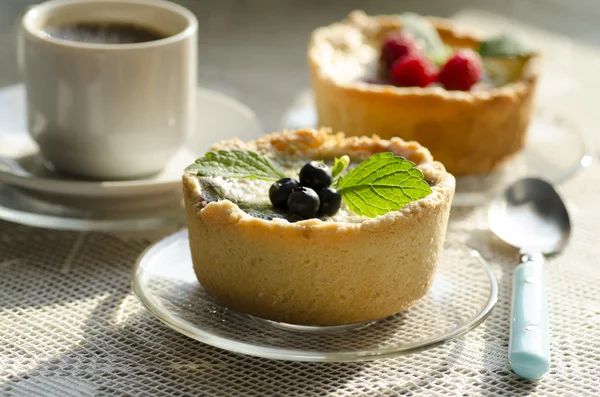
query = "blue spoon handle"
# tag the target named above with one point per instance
(529, 342)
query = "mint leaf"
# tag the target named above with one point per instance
(382, 183)
(426, 34)
(236, 164)
(504, 46)
(339, 165)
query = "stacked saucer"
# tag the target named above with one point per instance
(33, 193)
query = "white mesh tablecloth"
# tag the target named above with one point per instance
(70, 326)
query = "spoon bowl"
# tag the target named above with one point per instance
(531, 215)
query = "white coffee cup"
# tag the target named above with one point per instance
(110, 111)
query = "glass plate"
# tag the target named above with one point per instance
(556, 149)
(462, 296)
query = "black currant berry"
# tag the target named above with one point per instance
(315, 175)
(280, 191)
(304, 202)
(331, 201)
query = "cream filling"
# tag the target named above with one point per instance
(252, 195)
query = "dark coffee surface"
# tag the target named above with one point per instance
(105, 33)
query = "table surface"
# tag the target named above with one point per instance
(71, 327)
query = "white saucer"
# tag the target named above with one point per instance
(219, 118)
(32, 194)
(549, 133)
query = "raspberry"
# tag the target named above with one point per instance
(413, 71)
(397, 45)
(461, 71)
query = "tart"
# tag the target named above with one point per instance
(470, 132)
(337, 270)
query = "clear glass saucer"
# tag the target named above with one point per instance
(462, 296)
(556, 149)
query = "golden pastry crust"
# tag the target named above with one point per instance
(314, 272)
(470, 132)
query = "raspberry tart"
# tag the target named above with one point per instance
(265, 248)
(467, 99)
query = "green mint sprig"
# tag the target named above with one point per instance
(339, 166)
(382, 183)
(504, 46)
(427, 35)
(236, 164)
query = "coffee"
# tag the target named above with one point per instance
(105, 33)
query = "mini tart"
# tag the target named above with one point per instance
(470, 132)
(316, 272)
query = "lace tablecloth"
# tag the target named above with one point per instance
(70, 326)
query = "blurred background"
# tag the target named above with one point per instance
(254, 50)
